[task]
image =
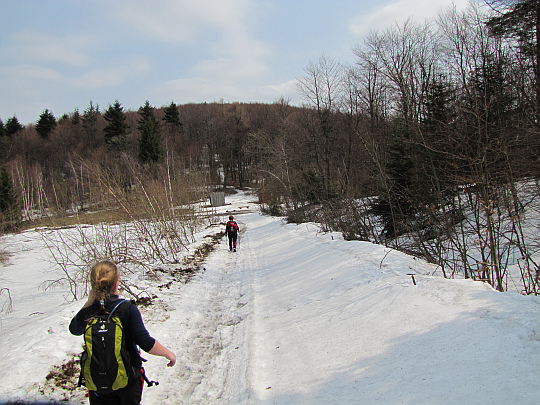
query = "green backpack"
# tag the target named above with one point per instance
(106, 361)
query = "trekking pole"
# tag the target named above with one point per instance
(148, 382)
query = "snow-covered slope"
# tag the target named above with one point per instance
(293, 317)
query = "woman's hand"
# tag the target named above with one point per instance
(160, 350)
(172, 359)
(91, 299)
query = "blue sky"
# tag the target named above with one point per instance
(60, 54)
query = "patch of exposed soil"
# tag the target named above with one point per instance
(65, 376)
(192, 264)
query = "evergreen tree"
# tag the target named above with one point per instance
(437, 126)
(2, 130)
(45, 124)
(521, 20)
(172, 116)
(90, 119)
(149, 144)
(76, 117)
(489, 124)
(146, 112)
(437, 116)
(12, 126)
(117, 128)
(10, 211)
(63, 118)
(399, 203)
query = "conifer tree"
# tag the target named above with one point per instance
(76, 117)
(521, 20)
(90, 119)
(149, 144)
(395, 206)
(10, 211)
(117, 128)
(46, 124)
(2, 130)
(12, 126)
(63, 118)
(172, 116)
(146, 112)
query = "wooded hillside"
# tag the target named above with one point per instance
(432, 134)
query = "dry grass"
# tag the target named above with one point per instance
(109, 216)
(86, 218)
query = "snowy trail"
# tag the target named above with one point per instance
(337, 322)
(215, 334)
(294, 317)
(208, 335)
(322, 321)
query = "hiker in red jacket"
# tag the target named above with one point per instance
(232, 232)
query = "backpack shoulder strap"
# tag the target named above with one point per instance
(120, 314)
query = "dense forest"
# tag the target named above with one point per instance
(427, 143)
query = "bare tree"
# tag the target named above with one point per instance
(321, 88)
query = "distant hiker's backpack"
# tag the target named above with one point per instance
(106, 361)
(232, 227)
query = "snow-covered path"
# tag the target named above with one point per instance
(342, 322)
(207, 331)
(300, 317)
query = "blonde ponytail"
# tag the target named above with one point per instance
(103, 278)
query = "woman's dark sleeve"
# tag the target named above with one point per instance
(138, 332)
(78, 324)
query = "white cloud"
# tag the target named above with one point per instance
(113, 75)
(27, 82)
(242, 55)
(399, 11)
(287, 90)
(207, 90)
(99, 78)
(39, 47)
(25, 76)
(28, 86)
(230, 68)
(219, 30)
(193, 90)
(181, 21)
(26, 73)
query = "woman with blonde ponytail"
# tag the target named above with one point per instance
(104, 279)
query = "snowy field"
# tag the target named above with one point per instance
(294, 317)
